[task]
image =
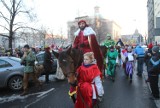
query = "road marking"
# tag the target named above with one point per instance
(40, 97)
(34, 102)
(15, 97)
(45, 92)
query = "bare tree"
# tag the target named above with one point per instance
(61, 37)
(11, 10)
(42, 35)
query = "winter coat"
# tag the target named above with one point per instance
(154, 65)
(28, 62)
(47, 61)
(120, 42)
(139, 51)
(146, 56)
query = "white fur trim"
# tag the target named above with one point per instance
(87, 31)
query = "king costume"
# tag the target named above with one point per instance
(86, 41)
(108, 42)
(111, 60)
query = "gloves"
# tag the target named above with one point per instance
(100, 98)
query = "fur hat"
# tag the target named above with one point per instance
(155, 49)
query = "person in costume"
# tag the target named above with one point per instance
(85, 40)
(109, 41)
(89, 83)
(111, 60)
(123, 57)
(129, 63)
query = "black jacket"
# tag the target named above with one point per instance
(153, 67)
(147, 57)
(47, 61)
(120, 42)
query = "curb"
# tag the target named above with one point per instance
(157, 102)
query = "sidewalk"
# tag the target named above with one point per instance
(157, 102)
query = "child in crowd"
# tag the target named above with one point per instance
(89, 83)
(129, 63)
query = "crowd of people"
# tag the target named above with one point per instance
(131, 58)
(89, 86)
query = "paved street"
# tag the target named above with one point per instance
(118, 94)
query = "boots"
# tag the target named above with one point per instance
(25, 92)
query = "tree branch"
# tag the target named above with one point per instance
(5, 18)
(18, 23)
(25, 27)
(6, 6)
(22, 12)
(18, 5)
(4, 35)
(4, 27)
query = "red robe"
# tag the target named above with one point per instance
(90, 45)
(85, 78)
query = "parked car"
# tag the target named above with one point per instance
(40, 60)
(11, 73)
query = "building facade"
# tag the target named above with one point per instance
(153, 20)
(150, 7)
(100, 25)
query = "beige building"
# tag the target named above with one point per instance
(114, 30)
(100, 25)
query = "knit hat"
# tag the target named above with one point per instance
(150, 45)
(155, 49)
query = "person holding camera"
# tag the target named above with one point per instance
(28, 60)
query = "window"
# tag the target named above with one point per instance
(40, 58)
(15, 59)
(4, 64)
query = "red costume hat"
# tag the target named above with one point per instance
(82, 21)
